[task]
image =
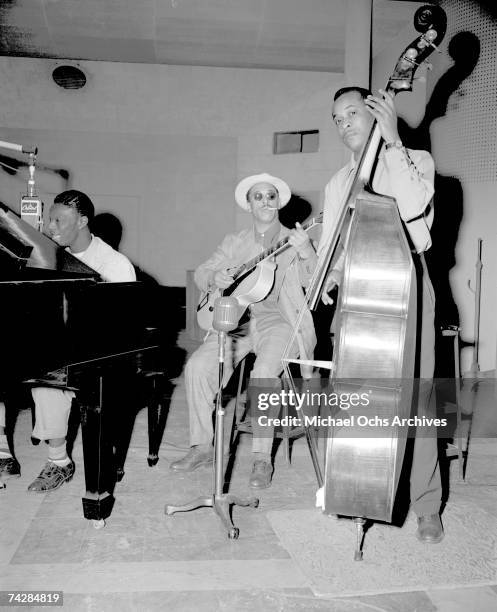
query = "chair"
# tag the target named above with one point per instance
(242, 422)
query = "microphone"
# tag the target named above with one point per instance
(33, 150)
(225, 316)
(225, 319)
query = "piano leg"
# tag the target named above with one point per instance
(157, 412)
(100, 474)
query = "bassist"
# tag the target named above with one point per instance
(408, 176)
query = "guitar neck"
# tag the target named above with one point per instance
(276, 248)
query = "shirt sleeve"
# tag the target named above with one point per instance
(306, 268)
(119, 270)
(411, 176)
(219, 260)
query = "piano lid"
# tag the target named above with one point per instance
(32, 249)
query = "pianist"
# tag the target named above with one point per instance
(70, 219)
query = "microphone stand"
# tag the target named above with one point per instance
(219, 501)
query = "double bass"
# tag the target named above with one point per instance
(374, 349)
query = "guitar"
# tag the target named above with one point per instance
(252, 280)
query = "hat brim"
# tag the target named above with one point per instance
(246, 184)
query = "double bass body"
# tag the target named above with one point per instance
(374, 354)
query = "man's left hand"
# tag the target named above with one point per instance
(300, 242)
(383, 110)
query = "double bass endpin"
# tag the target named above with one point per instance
(359, 523)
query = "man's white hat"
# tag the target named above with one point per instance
(246, 184)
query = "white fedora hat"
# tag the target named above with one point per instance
(246, 184)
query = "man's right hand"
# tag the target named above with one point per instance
(222, 279)
(331, 282)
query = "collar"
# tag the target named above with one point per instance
(82, 252)
(269, 236)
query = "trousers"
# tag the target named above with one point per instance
(425, 483)
(267, 337)
(52, 408)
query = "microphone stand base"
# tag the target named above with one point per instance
(221, 505)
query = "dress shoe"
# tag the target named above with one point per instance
(262, 472)
(194, 458)
(9, 468)
(52, 477)
(430, 530)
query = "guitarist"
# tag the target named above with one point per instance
(269, 327)
(407, 175)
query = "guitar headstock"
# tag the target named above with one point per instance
(431, 21)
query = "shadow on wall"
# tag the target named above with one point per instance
(464, 49)
(165, 306)
(298, 210)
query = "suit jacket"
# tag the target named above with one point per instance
(239, 248)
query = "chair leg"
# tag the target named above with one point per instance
(235, 431)
(457, 373)
(286, 431)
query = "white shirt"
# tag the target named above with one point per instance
(406, 175)
(112, 266)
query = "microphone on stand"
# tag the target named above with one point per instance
(225, 314)
(31, 204)
(225, 319)
(32, 150)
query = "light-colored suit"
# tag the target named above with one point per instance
(271, 324)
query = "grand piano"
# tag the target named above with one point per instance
(63, 327)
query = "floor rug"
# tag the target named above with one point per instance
(394, 560)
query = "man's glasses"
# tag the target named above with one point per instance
(270, 196)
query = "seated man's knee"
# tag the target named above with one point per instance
(265, 371)
(197, 365)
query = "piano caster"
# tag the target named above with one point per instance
(359, 523)
(152, 460)
(119, 474)
(100, 524)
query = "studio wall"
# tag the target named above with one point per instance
(162, 147)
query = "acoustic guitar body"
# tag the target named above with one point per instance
(250, 289)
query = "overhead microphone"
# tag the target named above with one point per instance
(32, 150)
